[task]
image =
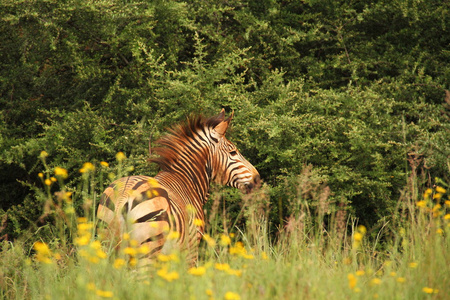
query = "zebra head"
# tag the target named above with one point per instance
(229, 166)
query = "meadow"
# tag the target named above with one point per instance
(312, 257)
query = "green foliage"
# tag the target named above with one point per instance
(241, 261)
(348, 88)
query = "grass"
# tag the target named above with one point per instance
(407, 258)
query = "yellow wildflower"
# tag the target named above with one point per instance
(43, 154)
(401, 279)
(222, 267)
(352, 280)
(429, 290)
(144, 249)
(199, 271)
(48, 182)
(169, 276)
(166, 258)
(43, 259)
(42, 248)
(264, 256)
(61, 172)
(447, 217)
(413, 265)
(43, 252)
(375, 281)
(209, 240)
(120, 156)
(96, 245)
(132, 262)
(237, 273)
(152, 193)
(238, 249)
(421, 203)
(118, 263)
(83, 227)
(362, 229)
(83, 240)
(82, 220)
(247, 256)
(173, 235)
(101, 254)
(163, 257)
(104, 294)
(232, 296)
(104, 164)
(393, 274)
(427, 193)
(93, 259)
(360, 273)
(441, 190)
(87, 167)
(225, 240)
(198, 222)
(437, 196)
(209, 292)
(153, 182)
(41, 175)
(436, 210)
(357, 237)
(130, 251)
(67, 196)
(447, 203)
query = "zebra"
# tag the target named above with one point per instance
(165, 212)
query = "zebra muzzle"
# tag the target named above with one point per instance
(250, 186)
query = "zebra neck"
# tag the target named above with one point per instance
(190, 188)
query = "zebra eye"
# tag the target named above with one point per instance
(233, 153)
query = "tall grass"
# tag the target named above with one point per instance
(320, 253)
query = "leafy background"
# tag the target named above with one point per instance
(353, 90)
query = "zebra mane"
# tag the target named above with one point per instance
(179, 138)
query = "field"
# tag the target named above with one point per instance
(406, 258)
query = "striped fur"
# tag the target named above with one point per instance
(160, 212)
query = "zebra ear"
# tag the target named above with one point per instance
(228, 120)
(221, 115)
(222, 127)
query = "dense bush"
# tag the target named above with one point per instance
(350, 89)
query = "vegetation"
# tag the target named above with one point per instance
(341, 105)
(305, 260)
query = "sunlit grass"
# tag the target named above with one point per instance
(301, 263)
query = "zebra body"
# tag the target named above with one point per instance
(166, 211)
